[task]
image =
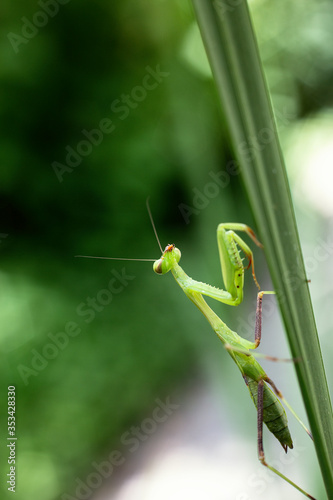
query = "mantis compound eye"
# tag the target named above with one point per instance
(158, 266)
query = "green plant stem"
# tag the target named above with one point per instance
(233, 54)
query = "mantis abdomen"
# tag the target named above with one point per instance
(274, 415)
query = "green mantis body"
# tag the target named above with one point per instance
(269, 408)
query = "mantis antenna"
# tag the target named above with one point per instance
(124, 258)
(153, 224)
(113, 258)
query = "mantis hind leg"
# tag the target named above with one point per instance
(272, 358)
(261, 453)
(257, 330)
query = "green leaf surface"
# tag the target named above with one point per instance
(233, 54)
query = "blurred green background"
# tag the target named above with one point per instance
(102, 105)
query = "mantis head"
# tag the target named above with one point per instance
(170, 257)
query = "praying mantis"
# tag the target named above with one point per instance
(267, 401)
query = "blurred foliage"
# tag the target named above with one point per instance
(67, 76)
